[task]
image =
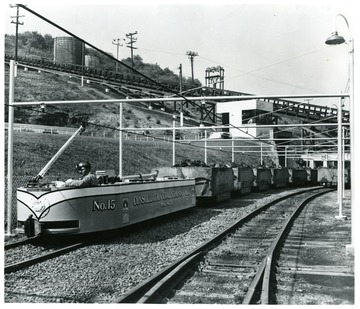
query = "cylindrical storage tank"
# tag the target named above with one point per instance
(68, 50)
(91, 61)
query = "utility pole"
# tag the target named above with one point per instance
(180, 75)
(192, 55)
(17, 28)
(131, 42)
(118, 44)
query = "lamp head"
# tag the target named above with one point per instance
(334, 39)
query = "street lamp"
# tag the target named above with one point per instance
(336, 39)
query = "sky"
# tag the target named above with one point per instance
(266, 47)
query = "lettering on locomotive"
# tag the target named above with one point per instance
(101, 206)
(163, 197)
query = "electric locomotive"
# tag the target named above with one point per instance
(54, 208)
(61, 210)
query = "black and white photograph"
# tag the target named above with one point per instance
(179, 153)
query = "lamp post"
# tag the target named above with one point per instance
(336, 39)
(340, 216)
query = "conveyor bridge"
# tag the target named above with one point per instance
(135, 86)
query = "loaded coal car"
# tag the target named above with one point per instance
(280, 177)
(213, 184)
(243, 180)
(329, 177)
(263, 179)
(298, 177)
(312, 176)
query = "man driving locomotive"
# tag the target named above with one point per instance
(87, 179)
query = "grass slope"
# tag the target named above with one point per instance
(33, 150)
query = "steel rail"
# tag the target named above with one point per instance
(20, 243)
(139, 291)
(29, 262)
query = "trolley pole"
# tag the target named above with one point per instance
(10, 148)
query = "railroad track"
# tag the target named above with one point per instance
(302, 271)
(28, 252)
(234, 267)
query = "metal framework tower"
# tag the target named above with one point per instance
(214, 76)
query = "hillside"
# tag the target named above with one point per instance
(34, 86)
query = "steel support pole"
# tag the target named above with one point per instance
(174, 135)
(352, 143)
(232, 151)
(121, 141)
(340, 164)
(205, 146)
(10, 148)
